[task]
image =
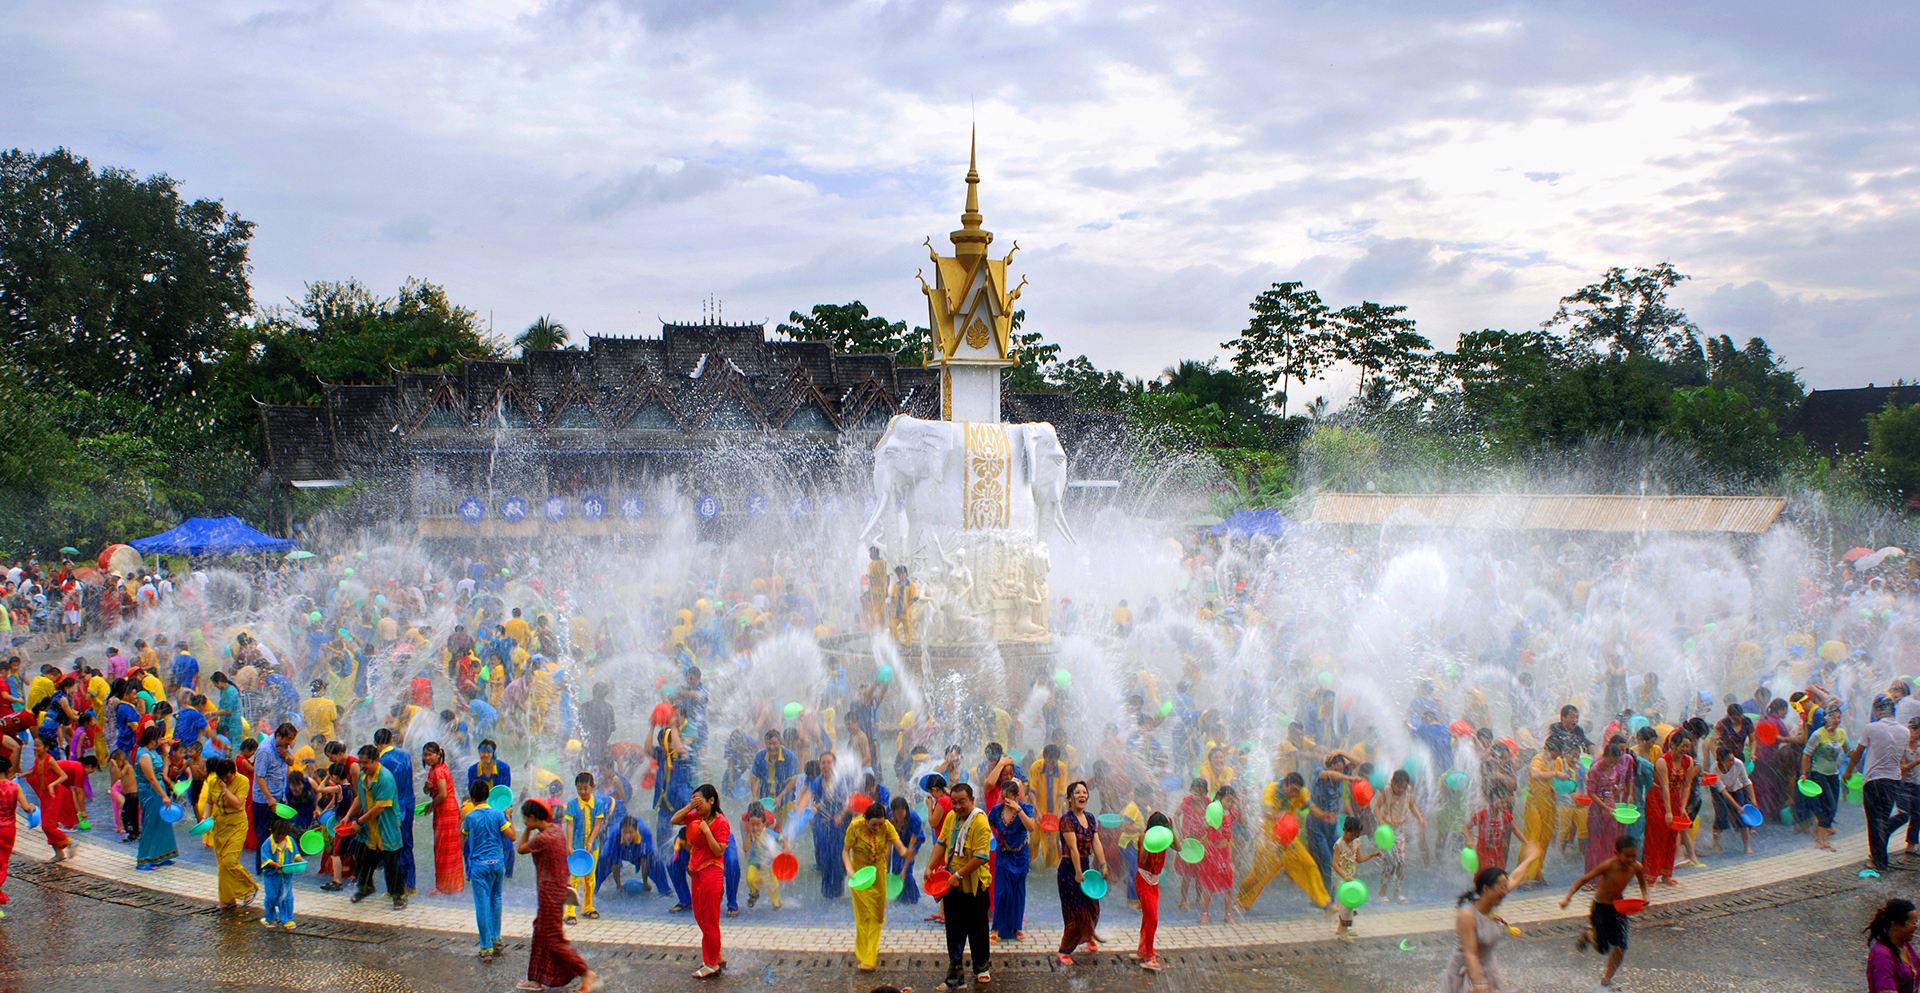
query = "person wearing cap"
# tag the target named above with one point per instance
(1882, 746)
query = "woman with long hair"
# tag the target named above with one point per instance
(228, 805)
(705, 831)
(1080, 913)
(1609, 782)
(1673, 776)
(157, 846)
(1472, 968)
(1892, 966)
(449, 870)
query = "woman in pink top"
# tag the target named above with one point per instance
(1891, 964)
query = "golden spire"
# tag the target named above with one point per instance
(971, 240)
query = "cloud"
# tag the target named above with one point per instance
(649, 186)
(609, 160)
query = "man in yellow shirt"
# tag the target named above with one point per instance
(517, 629)
(962, 852)
(318, 711)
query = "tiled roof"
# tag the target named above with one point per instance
(694, 379)
(1834, 422)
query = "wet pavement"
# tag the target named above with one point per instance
(66, 932)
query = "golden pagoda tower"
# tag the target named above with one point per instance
(970, 309)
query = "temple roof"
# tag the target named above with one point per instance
(692, 385)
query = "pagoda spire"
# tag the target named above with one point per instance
(971, 241)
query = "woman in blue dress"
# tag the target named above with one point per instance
(830, 816)
(1012, 824)
(157, 844)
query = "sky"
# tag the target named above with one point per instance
(615, 162)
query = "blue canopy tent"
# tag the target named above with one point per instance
(1268, 522)
(211, 536)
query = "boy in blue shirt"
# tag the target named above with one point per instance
(485, 853)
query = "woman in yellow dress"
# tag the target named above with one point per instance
(1538, 819)
(1272, 858)
(869, 840)
(229, 803)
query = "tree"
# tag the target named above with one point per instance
(1284, 342)
(1234, 393)
(1727, 432)
(1491, 369)
(1035, 360)
(351, 334)
(851, 328)
(1627, 314)
(1757, 373)
(1380, 341)
(1893, 446)
(544, 335)
(112, 280)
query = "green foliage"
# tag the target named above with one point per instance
(1757, 373)
(1893, 447)
(544, 335)
(1380, 341)
(1340, 458)
(351, 334)
(112, 280)
(1727, 432)
(850, 327)
(1285, 341)
(1627, 314)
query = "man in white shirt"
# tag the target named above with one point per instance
(1906, 706)
(1883, 745)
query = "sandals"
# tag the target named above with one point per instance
(592, 915)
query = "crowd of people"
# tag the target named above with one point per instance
(332, 717)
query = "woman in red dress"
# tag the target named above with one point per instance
(1080, 914)
(48, 781)
(449, 871)
(1216, 869)
(553, 960)
(1672, 784)
(705, 831)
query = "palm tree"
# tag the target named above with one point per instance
(543, 335)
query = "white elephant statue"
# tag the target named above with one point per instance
(941, 476)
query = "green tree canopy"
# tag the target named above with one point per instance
(544, 335)
(850, 327)
(1893, 446)
(1285, 341)
(112, 282)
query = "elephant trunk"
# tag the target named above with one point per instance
(1059, 516)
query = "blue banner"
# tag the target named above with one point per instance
(513, 509)
(633, 507)
(593, 507)
(799, 506)
(473, 510)
(707, 507)
(556, 508)
(756, 505)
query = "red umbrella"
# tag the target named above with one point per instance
(1856, 553)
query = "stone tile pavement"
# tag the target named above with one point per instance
(115, 862)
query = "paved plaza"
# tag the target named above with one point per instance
(159, 931)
